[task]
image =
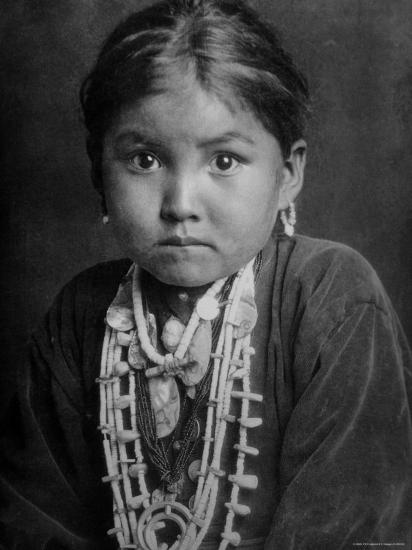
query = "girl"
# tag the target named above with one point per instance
(250, 386)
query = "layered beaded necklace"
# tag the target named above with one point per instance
(129, 421)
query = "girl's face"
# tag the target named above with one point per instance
(192, 185)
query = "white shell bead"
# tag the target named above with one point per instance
(250, 422)
(114, 531)
(125, 436)
(124, 339)
(238, 509)
(121, 368)
(232, 537)
(245, 481)
(136, 469)
(122, 402)
(246, 449)
(237, 374)
(135, 502)
(247, 395)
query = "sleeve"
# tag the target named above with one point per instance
(345, 466)
(46, 471)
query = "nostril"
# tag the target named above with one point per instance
(179, 203)
(177, 214)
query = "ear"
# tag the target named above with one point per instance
(292, 174)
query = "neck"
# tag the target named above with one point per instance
(192, 293)
(189, 294)
(179, 299)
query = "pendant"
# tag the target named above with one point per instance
(157, 517)
(196, 360)
(172, 333)
(207, 308)
(120, 318)
(164, 393)
(158, 495)
(165, 401)
(194, 470)
(135, 357)
(191, 392)
(167, 492)
(120, 313)
(246, 315)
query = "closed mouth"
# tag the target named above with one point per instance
(182, 241)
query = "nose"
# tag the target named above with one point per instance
(180, 199)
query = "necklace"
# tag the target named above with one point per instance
(137, 513)
(207, 308)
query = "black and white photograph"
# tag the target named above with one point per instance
(206, 274)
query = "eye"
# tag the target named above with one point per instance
(225, 164)
(145, 161)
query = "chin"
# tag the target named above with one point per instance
(184, 276)
(185, 280)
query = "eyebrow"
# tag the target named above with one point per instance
(226, 137)
(135, 137)
(132, 136)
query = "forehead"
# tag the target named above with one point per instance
(181, 109)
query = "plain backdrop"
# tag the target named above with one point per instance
(357, 55)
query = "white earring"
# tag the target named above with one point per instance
(289, 220)
(105, 219)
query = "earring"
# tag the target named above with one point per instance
(289, 220)
(105, 219)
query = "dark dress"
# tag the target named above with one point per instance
(336, 443)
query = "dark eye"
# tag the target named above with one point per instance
(224, 163)
(145, 161)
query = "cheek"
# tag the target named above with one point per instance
(128, 203)
(131, 221)
(250, 216)
(264, 203)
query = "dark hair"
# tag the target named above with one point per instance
(226, 45)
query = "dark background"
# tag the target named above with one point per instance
(357, 55)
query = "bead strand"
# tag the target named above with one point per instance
(220, 431)
(144, 339)
(225, 384)
(137, 445)
(102, 389)
(209, 494)
(122, 452)
(119, 450)
(195, 319)
(210, 490)
(228, 535)
(207, 497)
(213, 480)
(242, 442)
(213, 398)
(113, 470)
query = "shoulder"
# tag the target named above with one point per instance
(95, 287)
(102, 274)
(335, 312)
(331, 272)
(79, 309)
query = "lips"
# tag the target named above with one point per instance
(182, 241)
